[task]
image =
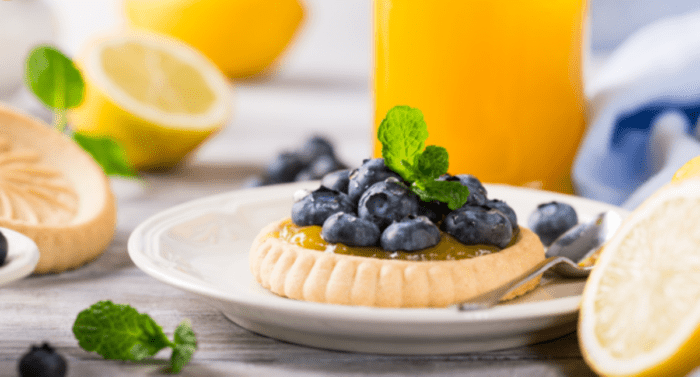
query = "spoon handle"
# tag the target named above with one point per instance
(491, 298)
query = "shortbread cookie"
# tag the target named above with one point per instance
(302, 273)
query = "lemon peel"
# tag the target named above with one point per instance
(688, 170)
(243, 37)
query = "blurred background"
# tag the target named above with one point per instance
(322, 82)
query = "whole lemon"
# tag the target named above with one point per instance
(243, 37)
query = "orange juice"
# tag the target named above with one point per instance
(499, 82)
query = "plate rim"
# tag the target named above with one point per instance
(528, 310)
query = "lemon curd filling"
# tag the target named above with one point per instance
(449, 248)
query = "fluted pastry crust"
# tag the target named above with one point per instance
(292, 271)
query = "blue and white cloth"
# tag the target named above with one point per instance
(644, 104)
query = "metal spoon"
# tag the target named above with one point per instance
(563, 256)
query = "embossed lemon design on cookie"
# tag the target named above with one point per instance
(53, 192)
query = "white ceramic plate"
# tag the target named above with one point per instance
(22, 257)
(202, 247)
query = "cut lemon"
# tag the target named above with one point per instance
(689, 169)
(243, 37)
(157, 97)
(640, 311)
(53, 192)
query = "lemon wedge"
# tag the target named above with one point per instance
(689, 169)
(156, 96)
(53, 192)
(640, 310)
(243, 37)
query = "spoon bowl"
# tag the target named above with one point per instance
(563, 256)
(580, 242)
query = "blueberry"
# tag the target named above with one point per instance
(284, 168)
(506, 209)
(42, 361)
(473, 225)
(314, 148)
(434, 210)
(551, 220)
(318, 168)
(337, 180)
(411, 234)
(477, 191)
(371, 172)
(350, 230)
(387, 201)
(3, 249)
(317, 206)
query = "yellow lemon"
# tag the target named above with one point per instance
(156, 96)
(689, 169)
(54, 193)
(640, 311)
(243, 37)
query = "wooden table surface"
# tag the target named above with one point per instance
(43, 308)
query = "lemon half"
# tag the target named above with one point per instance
(640, 311)
(53, 192)
(156, 96)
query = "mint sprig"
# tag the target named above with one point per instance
(403, 133)
(119, 332)
(57, 83)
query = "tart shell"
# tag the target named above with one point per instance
(295, 272)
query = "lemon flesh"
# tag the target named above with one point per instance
(640, 312)
(157, 97)
(157, 78)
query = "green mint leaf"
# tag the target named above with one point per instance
(107, 153)
(53, 78)
(402, 133)
(118, 332)
(432, 163)
(185, 335)
(182, 354)
(452, 193)
(185, 343)
(409, 173)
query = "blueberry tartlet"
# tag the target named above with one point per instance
(373, 242)
(397, 231)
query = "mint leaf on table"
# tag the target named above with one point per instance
(403, 133)
(185, 345)
(119, 332)
(54, 79)
(107, 153)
